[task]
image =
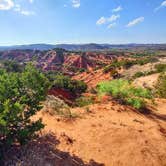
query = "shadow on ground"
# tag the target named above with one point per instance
(43, 152)
(154, 116)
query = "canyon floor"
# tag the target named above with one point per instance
(107, 134)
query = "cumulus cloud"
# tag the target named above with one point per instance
(119, 8)
(111, 25)
(9, 4)
(76, 3)
(18, 9)
(135, 21)
(104, 20)
(113, 18)
(6, 4)
(163, 4)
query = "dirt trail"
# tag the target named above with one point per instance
(114, 135)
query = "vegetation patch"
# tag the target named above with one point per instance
(160, 68)
(128, 63)
(142, 74)
(20, 98)
(125, 92)
(84, 101)
(12, 66)
(56, 106)
(64, 82)
(161, 86)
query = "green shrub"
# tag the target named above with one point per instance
(20, 97)
(76, 69)
(12, 66)
(108, 68)
(58, 80)
(81, 70)
(114, 74)
(161, 86)
(84, 101)
(125, 92)
(141, 74)
(65, 82)
(51, 75)
(118, 64)
(160, 68)
(146, 60)
(127, 64)
(138, 74)
(56, 106)
(151, 72)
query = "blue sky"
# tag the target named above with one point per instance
(82, 21)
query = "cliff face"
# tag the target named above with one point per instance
(59, 59)
(89, 60)
(52, 60)
(79, 61)
(20, 55)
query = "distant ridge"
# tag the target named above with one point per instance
(82, 47)
(41, 47)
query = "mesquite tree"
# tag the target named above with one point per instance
(20, 98)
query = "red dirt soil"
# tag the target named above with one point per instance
(92, 78)
(111, 134)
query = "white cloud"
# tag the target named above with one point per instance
(76, 3)
(9, 4)
(119, 8)
(163, 4)
(27, 13)
(111, 25)
(6, 4)
(113, 18)
(18, 9)
(102, 20)
(136, 21)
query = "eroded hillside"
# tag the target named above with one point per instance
(101, 109)
(110, 134)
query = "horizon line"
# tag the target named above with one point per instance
(26, 44)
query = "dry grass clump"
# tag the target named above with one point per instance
(56, 106)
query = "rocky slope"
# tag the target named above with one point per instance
(60, 59)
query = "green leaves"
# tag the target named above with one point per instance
(160, 67)
(20, 97)
(125, 91)
(65, 82)
(161, 85)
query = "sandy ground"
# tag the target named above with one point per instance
(136, 68)
(147, 81)
(110, 135)
(143, 68)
